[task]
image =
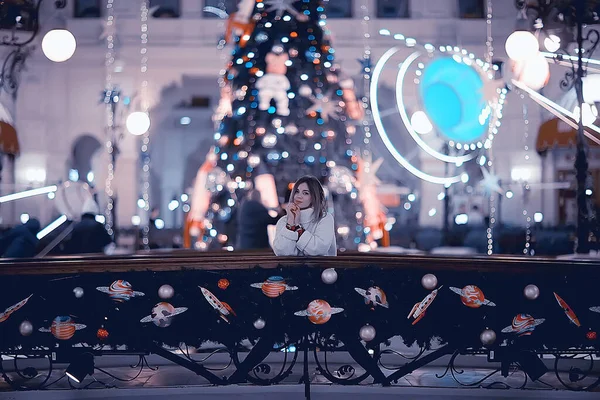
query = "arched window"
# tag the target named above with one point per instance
(84, 148)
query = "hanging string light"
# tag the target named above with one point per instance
(109, 60)
(366, 74)
(144, 109)
(489, 43)
(365, 100)
(526, 187)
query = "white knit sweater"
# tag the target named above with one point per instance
(317, 240)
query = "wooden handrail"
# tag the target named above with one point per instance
(187, 259)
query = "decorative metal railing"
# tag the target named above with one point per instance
(275, 316)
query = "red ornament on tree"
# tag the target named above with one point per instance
(591, 335)
(102, 334)
(223, 284)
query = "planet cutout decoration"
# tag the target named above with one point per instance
(318, 312)
(102, 334)
(452, 96)
(273, 287)
(63, 328)
(120, 291)
(472, 297)
(162, 314)
(374, 296)
(223, 284)
(523, 325)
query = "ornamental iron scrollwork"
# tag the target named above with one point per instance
(577, 375)
(20, 42)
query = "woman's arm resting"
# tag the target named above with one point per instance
(285, 240)
(318, 243)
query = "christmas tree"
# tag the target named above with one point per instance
(286, 110)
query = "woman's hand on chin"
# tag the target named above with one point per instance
(293, 212)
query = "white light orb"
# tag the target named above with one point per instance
(24, 218)
(59, 45)
(591, 88)
(520, 45)
(589, 114)
(534, 72)
(138, 123)
(421, 123)
(552, 43)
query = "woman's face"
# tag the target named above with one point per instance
(302, 196)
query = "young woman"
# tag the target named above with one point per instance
(307, 229)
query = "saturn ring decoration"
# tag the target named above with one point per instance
(458, 104)
(120, 291)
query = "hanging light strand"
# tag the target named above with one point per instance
(526, 187)
(489, 43)
(221, 45)
(144, 108)
(109, 60)
(366, 74)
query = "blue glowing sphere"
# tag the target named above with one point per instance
(452, 96)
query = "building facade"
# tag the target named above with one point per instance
(61, 123)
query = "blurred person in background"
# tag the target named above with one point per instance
(89, 235)
(253, 220)
(21, 241)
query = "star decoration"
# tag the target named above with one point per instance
(367, 183)
(323, 105)
(367, 171)
(490, 182)
(281, 6)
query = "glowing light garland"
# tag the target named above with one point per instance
(109, 115)
(494, 109)
(402, 108)
(557, 110)
(28, 193)
(526, 187)
(489, 43)
(145, 106)
(383, 134)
